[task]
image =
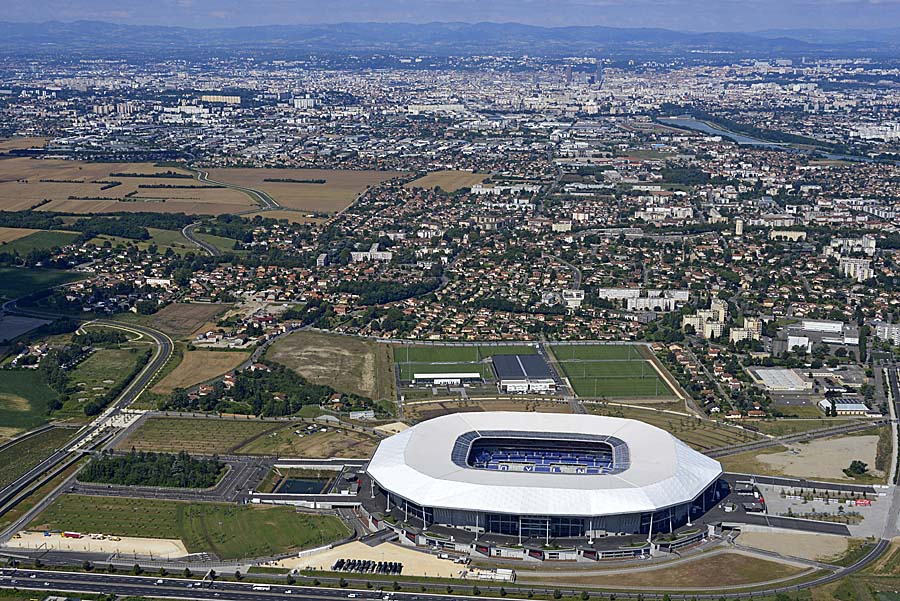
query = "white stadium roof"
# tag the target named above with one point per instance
(659, 470)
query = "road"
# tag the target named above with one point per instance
(267, 202)
(188, 232)
(145, 586)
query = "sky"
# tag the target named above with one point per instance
(682, 15)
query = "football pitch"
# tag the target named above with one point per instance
(442, 359)
(610, 371)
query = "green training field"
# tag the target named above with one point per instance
(24, 398)
(16, 282)
(229, 531)
(442, 359)
(610, 371)
(455, 354)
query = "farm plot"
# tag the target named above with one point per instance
(180, 320)
(350, 365)
(228, 531)
(448, 180)
(196, 436)
(297, 188)
(8, 234)
(197, 367)
(79, 187)
(610, 371)
(20, 457)
(699, 434)
(21, 143)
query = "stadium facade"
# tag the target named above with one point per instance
(542, 475)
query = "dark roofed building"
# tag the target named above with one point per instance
(523, 373)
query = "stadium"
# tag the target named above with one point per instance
(543, 475)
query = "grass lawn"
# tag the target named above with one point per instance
(24, 398)
(38, 494)
(409, 370)
(196, 436)
(96, 375)
(17, 459)
(229, 531)
(39, 240)
(730, 569)
(16, 282)
(610, 371)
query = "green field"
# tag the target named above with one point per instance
(196, 436)
(441, 359)
(167, 239)
(24, 399)
(95, 376)
(455, 354)
(39, 240)
(610, 371)
(16, 282)
(229, 531)
(20, 457)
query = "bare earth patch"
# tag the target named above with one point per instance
(156, 547)
(805, 545)
(415, 563)
(14, 402)
(346, 364)
(826, 458)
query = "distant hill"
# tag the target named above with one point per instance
(91, 37)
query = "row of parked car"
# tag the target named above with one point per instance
(367, 566)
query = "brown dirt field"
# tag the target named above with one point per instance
(181, 319)
(346, 364)
(805, 545)
(8, 234)
(339, 191)
(449, 181)
(21, 143)
(21, 187)
(14, 402)
(730, 569)
(319, 445)
(199, 366)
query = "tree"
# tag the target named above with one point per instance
(136, 570)
(557, 594)
(857, 468)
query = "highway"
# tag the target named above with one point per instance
(180, 588)
(188, 232)
(267, 202)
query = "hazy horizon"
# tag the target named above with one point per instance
(680, 15)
